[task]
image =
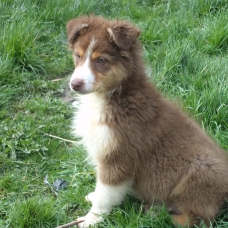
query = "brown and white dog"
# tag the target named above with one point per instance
(138, 141)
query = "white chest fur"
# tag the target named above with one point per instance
(96, 136)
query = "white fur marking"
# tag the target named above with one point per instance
(103, 199)
(84, 72)
(89, 50)
(97, 137)
(90, 197)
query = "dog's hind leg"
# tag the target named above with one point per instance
(197, 202)
(182, 220)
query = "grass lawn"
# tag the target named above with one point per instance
(186, 52)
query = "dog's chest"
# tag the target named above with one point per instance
(89, 124)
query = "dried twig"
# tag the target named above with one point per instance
(83, 173)
(57, 79)
(66, 140)
(70, 224)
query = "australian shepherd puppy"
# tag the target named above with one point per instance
(139, 142)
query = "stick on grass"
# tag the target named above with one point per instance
(65, 140)
(70, 224)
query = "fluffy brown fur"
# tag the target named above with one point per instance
(155, 145)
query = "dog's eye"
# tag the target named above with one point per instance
(101, 60)
(78, 56)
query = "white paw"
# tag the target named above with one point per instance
(90, 197)
(89, 219)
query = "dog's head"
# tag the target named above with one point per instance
(103, 52)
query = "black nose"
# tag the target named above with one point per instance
(77, 84)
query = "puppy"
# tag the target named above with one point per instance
(138, 141)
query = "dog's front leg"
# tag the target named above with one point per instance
(104, 198)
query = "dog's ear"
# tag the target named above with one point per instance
(74, 28)
(123, 34)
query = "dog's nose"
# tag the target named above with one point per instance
(76, 84)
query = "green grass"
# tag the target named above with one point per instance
(185, 49)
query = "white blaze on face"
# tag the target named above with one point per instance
(84, 72)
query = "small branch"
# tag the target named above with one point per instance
(70, 224)
(57, 79)
(66, 140)
(83, 173)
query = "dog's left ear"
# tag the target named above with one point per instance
(123, 34)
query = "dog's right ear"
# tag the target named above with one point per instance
(74, 28)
